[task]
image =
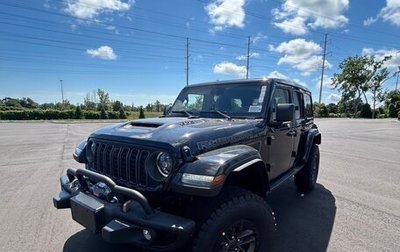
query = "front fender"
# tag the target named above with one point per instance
(313, 137)
(216, 163)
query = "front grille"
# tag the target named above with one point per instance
(125, 164)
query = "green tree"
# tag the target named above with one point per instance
(11, 102)
(104, 100)
(149, 107)
(332, 108)
(380, 74)
(359, 75)
(27, 102)
(122, 114)
(392, 111)
(78, 112)
(392, 97)
(320, 110)
(47, 106)
(348, 106)
(103, 114)
(157, 104)
(117, 105)
(88, 103)
(366, 111)
(354, 77)
(141, 113)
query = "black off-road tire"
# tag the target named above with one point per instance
(238, 218)
(306, 179)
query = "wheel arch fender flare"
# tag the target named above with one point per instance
(313, 137)
(225, 161)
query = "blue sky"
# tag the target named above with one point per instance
(135, 49)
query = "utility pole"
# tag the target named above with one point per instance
(248, 57)
(323, 69)
(62, 92)
(187, 61)
(397, 81)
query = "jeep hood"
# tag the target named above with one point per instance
(199, 134)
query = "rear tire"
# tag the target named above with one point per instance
(240, 221)
(306, 179)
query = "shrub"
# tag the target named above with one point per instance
(141, 113)
(78, 112)
(392, 111)
(103, 114)
(122, 114)
(366, 111)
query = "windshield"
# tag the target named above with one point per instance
(246, 100)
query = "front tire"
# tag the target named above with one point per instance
(306, 179)
(241, 221)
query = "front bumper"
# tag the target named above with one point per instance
(124, 221)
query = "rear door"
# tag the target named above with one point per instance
(299, 121)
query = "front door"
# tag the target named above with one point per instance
(280, 137)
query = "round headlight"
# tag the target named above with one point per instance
(93, 148)
(164, 163)
(90, 151)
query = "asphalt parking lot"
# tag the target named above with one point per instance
(355, 207)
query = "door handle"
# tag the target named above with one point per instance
(292, 133)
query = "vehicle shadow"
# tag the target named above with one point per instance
(304, 221)
(86, 241)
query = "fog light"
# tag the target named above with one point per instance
(147, 234)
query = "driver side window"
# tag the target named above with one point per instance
(281, 95)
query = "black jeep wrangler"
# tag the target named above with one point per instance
(197, 178)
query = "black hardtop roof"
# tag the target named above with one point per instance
(260, 81)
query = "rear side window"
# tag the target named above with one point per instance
(298, 103)
(308, 105)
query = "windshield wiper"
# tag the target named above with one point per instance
(219, 113)
(184, 112)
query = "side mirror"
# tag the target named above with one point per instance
(167, 109)
(284, 112)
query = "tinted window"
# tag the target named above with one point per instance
(281, 95)
(298, 103)
(244, 100)
(308, 105)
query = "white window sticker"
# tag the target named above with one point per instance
(255, 109)
(262, 94)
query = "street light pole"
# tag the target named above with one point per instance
(62, 92)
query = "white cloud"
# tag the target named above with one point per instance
(259, 36)
(392, 63)
(298, 81)
(301, 54)
(295, 16)
(293, 26)
(92, 8)
(327, 82)
(278, 75)
(369, 21)
(390, 13)
(334, 97)
(103, 52)
(230, 68)
(226, 13)
(251, 55)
